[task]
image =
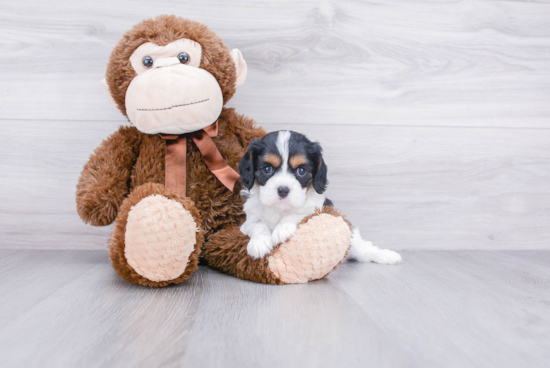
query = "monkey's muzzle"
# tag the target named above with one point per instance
(173, 99)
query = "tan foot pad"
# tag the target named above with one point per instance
(316, 248)
(160, 237)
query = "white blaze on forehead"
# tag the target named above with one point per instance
(283, 145)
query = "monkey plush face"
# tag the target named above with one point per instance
(171, 93)
(171, 75)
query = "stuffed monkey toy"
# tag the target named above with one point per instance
(170, 180)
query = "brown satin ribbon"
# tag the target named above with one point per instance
(176, 159)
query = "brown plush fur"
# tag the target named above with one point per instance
(116, 242)
(103, 184)
(226, 252)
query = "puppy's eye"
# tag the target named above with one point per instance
(268, 170)
(300, 171)
(147, 61)
(184, 57)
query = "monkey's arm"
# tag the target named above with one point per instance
(103, 183)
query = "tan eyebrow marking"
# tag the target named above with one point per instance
(273, 159)
(297, 160)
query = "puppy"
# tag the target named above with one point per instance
(285, 177)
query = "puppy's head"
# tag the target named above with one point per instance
(285, 165)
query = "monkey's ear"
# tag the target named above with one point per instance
(240, 64)
(246, 165)
(107, 92)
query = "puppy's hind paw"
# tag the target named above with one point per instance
(283, 232)
(386, 256)
(259, 246)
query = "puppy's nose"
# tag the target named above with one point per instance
(283, 191)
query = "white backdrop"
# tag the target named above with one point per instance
(434, 115)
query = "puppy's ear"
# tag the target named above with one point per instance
(320, 180)
(246, 165)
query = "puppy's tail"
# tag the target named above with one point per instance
(364, 251)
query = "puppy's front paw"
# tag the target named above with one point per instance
(245, 228)
(283, 232)
(259, 246)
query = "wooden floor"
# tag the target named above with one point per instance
(438, 309)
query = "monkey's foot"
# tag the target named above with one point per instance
(157, 239)
(317, 247)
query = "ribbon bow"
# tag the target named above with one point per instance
(175, 161)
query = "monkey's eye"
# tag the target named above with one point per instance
(268, 170)
(300, 171)
(184, 57)
(147, 62)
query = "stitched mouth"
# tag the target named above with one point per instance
(171, 107)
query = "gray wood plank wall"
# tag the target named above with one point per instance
(434, 116)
